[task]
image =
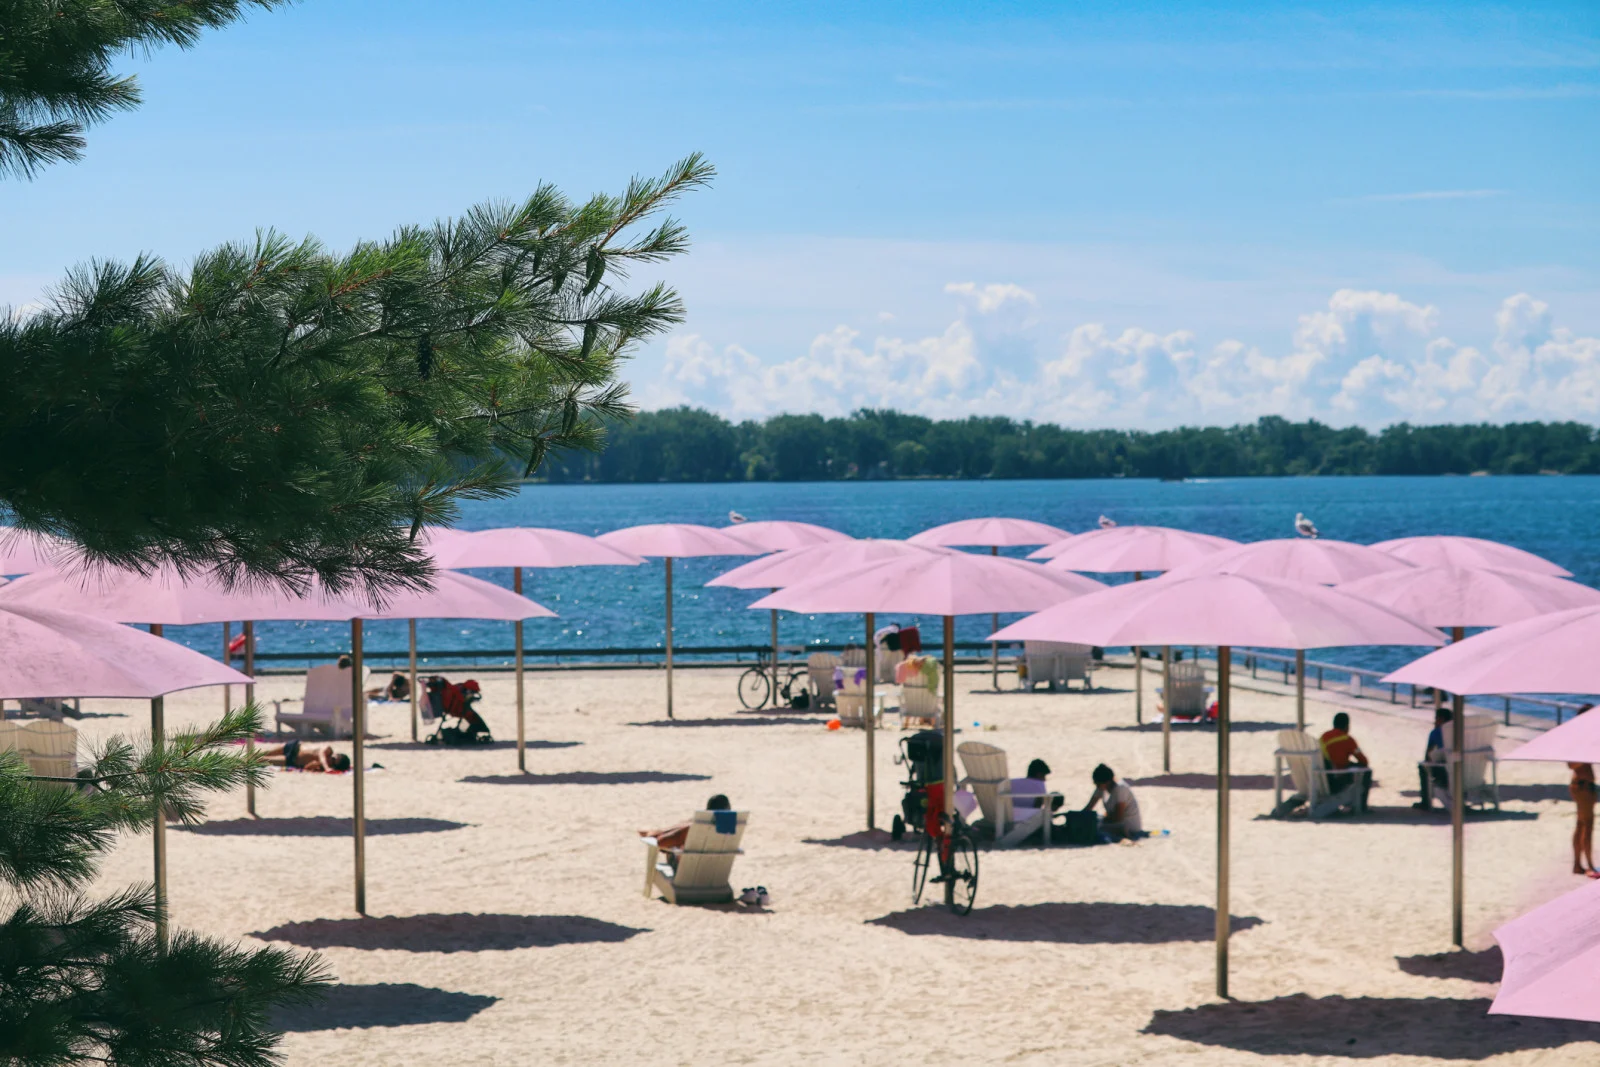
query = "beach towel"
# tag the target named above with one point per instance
(906, 668)
(910, 640)
(727, 822)
(930, 673)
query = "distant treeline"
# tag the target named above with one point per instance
(690, 445)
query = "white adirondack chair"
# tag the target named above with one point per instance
(704, 863)
(1189, 692)
(327, 707)
(1301, 757)
(819, 670)
(853, 657)
(49, 748)
(990, 781)
(885, 662)
(1056, 663)
(1480, 767)
(920, 706)
(850, 702)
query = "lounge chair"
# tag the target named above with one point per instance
(326, 709)
(1480, 781)
(1189, 693)
(49, 748)
(1056, 663)
(920, 706)
(850, 702)
(1301, 757)
(990, 781)
(853, 657)
(819, 668)
(704, 861)
(886, 661)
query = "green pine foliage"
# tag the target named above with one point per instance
(83, 979)
(55, 66)
(283, 413)
(690, 445)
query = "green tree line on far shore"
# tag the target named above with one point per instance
(690, 445)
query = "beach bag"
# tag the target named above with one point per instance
(1083, 828)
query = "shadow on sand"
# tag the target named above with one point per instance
(585, 778)
(492, 746)
(866, 840)
(450, 933)
(742, 720)
(1366, 1027)
(1531, 794)
(1237, 728)
(1206, 781)
(1484, 966)
(383, 1004)
(1096, 923)
(317, 826)
(1407, 816)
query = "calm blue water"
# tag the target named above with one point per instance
(623, 607)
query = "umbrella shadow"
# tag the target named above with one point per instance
(1386, 816)
(1068, 923)
(585, 778)
(1206, 728)
(490, 746)
(1484, 966)
(382, 1004)
(460, 932)
(1527, 793)
(1366, 1027)
(318, 826)
(867, 840)
(765, 720)
(1206, 781)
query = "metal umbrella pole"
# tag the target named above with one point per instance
(250, 698)
(1138, 676)
(522, 744)
(994, 646)
(227, 660)
(1224, 920)
(949, 741)
(669, 636)
(1166, 713)
(1300, 689)
(158, 732)
(870, 723)
(1458, 829)
(411, 648)
(358, 728)
(774, 656)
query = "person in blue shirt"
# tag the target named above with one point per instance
(1434, 775)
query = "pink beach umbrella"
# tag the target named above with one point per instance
(1223, 610)
(676, 540)
(993, 534)
(1450, 550)
(779, 535)
(516, 547)
(1552, 958)
(1139, 549)
(933, 583)
(24, 552)
(1455, 598)
(1552, 653)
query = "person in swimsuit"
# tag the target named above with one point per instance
(1582, 788)
(289, 754)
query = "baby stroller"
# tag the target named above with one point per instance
(448, 701)
(922, 755)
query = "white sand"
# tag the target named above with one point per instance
(538, 946)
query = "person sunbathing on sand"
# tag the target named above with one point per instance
(288, 754)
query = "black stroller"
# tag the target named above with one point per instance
(922, 755)
(448, 701)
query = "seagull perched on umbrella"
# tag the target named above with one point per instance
(1304, 526)
(1106, 524)
(736, 518)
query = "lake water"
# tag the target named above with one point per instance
(623, 606)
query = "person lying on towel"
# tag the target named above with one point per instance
(289, 754)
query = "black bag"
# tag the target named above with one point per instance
(1083, 828)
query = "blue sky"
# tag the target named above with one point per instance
(1098, 214)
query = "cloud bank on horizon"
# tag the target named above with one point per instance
(1367, 358)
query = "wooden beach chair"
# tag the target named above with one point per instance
(49, 748)
(1480, 767)
(327, 708)
(990, 781)
(1189, 693)
(819, 678)
(1056, 663)
(700, 875)
(1301, 757)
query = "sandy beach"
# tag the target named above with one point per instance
(508, 923)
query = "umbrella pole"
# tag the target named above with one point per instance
(669, 637)
(227, 661)
(994, 646)
(1138, 676)
(358, 727)
(249, 629)
(871, 724)
(1224, 920)
(1300, 689)
(158, 731)
(1166, 714)
(949, 740)
(1458, 830)
(522, 744)
(775, 656)
(411, 652)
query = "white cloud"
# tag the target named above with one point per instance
(1366, 357)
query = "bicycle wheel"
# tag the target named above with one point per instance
(755, 688)
(963, 872)
(919, 868)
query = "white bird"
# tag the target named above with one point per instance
(1304, 526)
(1106, 524)
(736, 518)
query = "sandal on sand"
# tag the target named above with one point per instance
(750, 896)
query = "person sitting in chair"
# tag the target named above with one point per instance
(289, 755)
(674, 837)
(1121, 819)
(1339, 753)
(1434, 775)
(1027, 794)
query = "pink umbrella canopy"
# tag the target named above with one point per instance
(1448, 550)
(1131, 548)
(1221, 609)
(990, 533)
(22, 552)
(781, 535)
(933, 583)
(1575, 741)
(1296, 559)
(806, 564)
(166, 598)
(1472, 596)
(528, 546)
(1552, 955)
(53, 653)
(1546, 654)
(459, 596)
(678, 540)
